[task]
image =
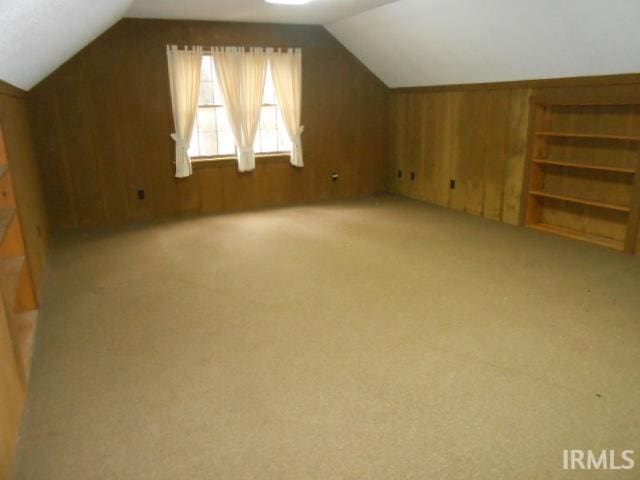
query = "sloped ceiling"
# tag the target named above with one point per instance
(435, 42)
(37, 36)
(316, 12)
(404, 42)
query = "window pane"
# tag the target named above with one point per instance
(208, 143)
(257, 144)
(206, 120)
(267, 118)
(269, 90)
(212, 133)
(284, 144)
(206, 93)
(194, 148)
(218, 99)
(221, 120)
(226, 145)
(205, 69)
(269, 140)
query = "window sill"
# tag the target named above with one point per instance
(227, 161)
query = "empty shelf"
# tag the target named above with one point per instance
(10, 271)
(590, 135)
(6, 215)
(603, 168)
(24, 326)
(582, 201)
(577, 235)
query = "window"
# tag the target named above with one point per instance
(212, 136)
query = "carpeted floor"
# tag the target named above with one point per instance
(378, 338)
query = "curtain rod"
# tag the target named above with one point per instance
(208, 49)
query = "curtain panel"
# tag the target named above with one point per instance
(286, 69)
(184, 83)
(241, 75)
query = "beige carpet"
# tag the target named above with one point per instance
(368, 339)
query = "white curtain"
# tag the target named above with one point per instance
(241, 75)
(184, 81)
(286, 69)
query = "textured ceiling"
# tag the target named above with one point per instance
(315, 12)
(435, 42)
(37, 36)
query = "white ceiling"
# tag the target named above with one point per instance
(435, 42)
(37, 36)
(404, 42)
(316, 12)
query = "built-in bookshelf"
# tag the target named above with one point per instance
(16, 286)
(583, 177)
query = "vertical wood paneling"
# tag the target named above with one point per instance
(476, 151)
(478, 136)
(27, 182)
(517, 150)
(16, 141)
(496, 154)
(11, 398)
(107, 117)
(460, 108)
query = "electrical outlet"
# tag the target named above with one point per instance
(141, 194)
(452, 184)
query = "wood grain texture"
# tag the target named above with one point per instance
(11, 398)
(19, 146)
(476, 138)
(600, 200)
(20, 192)
(481, 133)
(104, 118)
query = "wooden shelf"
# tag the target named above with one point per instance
(602, 168)
(603, 181)
(10, 271)
(6, 216)
(621, 103)
(24, 325)
(577, 235)
(582, 201)
(597, 136)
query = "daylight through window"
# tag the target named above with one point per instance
(212, 136)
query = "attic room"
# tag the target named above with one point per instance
(304, 239)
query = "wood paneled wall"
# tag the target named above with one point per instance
(477, 136)
(17, 139)
(103, 122)
(25, 172)
(12, 397)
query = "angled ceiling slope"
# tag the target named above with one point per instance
(38, 36)
(436, 42)
(404, 42)
(316, 12)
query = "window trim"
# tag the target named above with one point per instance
(224, 160)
